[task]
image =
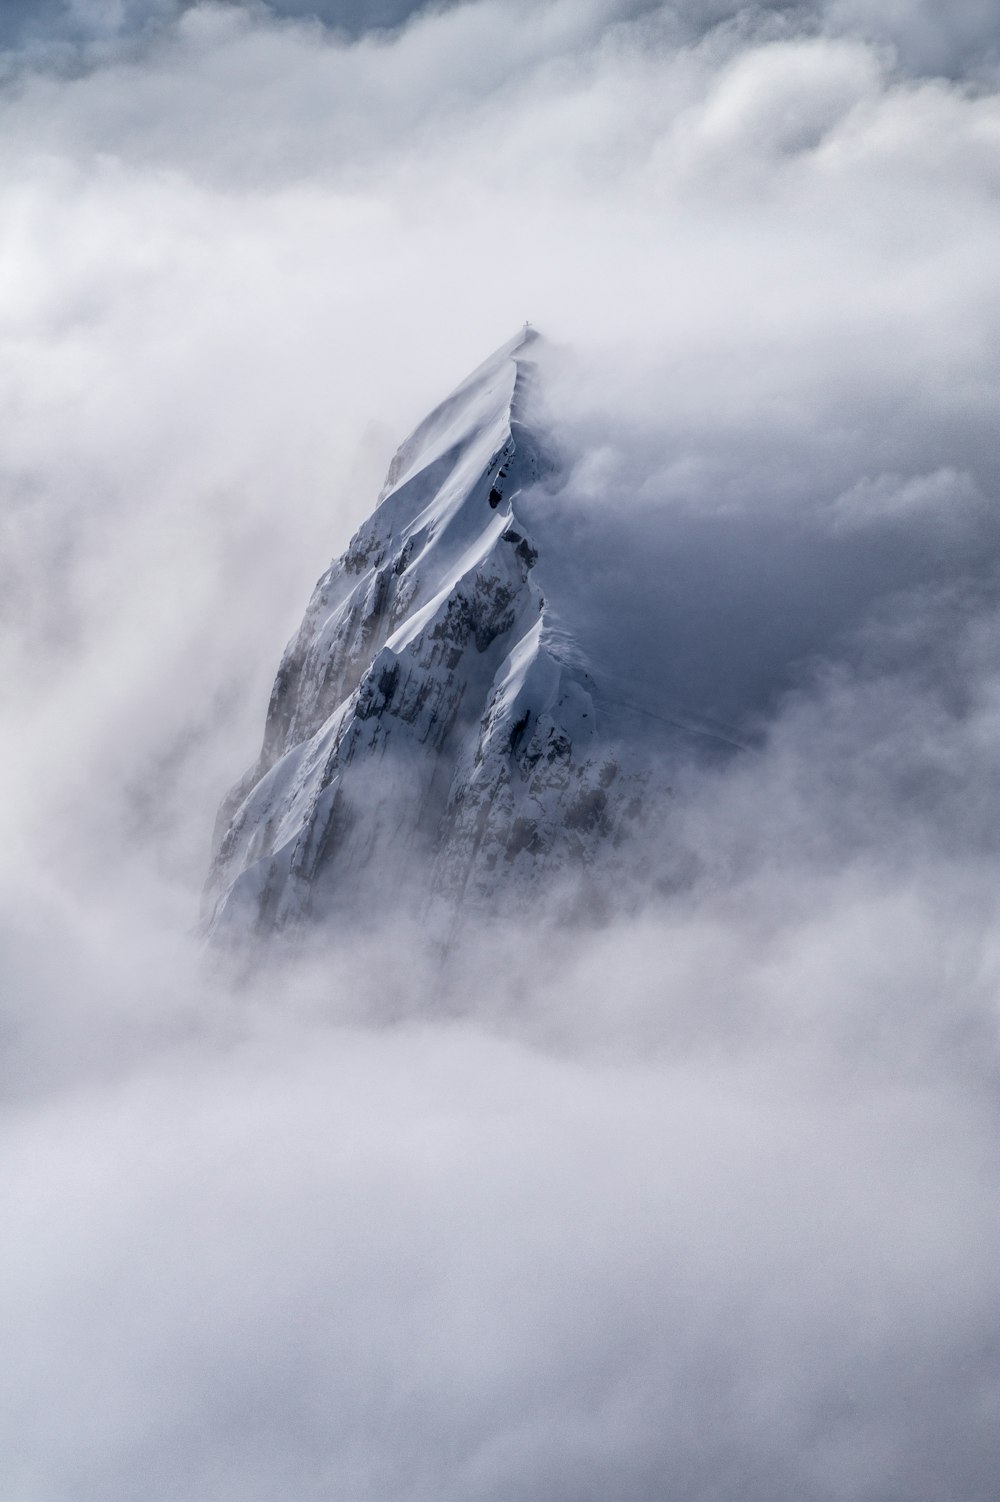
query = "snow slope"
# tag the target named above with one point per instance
(433, 741)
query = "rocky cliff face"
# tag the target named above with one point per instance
(431, 745)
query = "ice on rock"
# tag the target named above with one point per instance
(432, 742)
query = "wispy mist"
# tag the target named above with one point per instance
(700, 1201)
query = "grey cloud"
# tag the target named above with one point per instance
(954, 41)
(959, 41)
(435, 1261)
(701, 1200)
(53, 27)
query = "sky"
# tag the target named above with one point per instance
(702, 1202)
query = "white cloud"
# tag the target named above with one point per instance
(703, 1202)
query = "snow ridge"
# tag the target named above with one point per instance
(424, 721)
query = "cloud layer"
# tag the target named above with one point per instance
(703, 1203)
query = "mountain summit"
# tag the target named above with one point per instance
(433, 739)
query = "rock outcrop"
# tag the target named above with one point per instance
(431, 743)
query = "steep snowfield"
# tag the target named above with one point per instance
(433, 741)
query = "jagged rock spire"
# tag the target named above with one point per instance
(423, 734)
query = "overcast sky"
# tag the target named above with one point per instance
(703, 1204)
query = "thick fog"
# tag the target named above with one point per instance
(698, 1202)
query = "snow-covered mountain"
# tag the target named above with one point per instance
(435, 739)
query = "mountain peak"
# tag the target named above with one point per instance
(478, 415)
(427, 730)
